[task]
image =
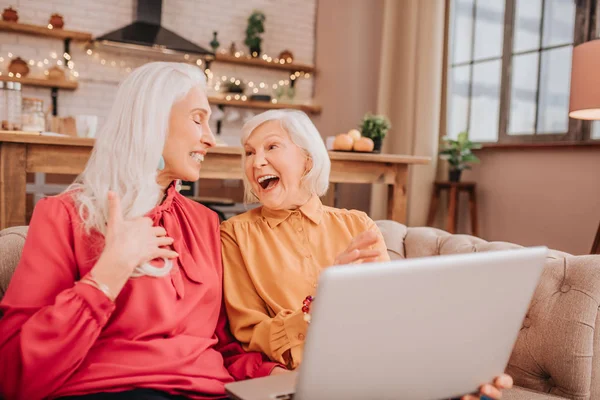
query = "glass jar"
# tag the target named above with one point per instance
(33, 116)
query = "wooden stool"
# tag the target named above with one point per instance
(454, 190)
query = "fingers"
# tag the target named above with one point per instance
(357, 255)
(504, 381)
(470, 397)
(164, 241)
(165, 253)
(491, 391)
(159, 231)
(363, 240)
(115, 215)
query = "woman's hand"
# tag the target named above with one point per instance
(492, 390)
(279, 371)
(128, 243)
(358, 251)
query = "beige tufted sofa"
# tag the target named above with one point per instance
(557, 352)
(558, 349)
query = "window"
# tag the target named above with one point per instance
(509, 69)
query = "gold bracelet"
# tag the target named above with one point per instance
(91, 280)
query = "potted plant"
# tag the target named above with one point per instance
(458, 154)
(375, 127)
(255, 27)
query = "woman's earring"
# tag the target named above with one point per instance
(161, 163)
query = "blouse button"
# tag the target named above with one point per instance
(300, 336)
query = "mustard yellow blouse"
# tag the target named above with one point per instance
(272, 260)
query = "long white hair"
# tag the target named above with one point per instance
(128, 148)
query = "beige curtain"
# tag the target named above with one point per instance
(410, 93)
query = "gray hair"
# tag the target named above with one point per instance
(306, 136)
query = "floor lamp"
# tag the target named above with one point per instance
(584, 101)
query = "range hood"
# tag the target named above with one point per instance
(146, 33)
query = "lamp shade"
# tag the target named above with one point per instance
(584, 102)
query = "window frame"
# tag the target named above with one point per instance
(586, 27)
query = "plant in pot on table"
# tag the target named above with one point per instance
(458, 154)
(375, 127)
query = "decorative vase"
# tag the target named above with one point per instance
(377, 145)
(10, 15)
(255, 51)
(214, 44)
(57, 21)
(19, 66)
(454, 175)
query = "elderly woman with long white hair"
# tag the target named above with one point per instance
(118, 294)
(273, 254)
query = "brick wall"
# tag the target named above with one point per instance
(289, 25)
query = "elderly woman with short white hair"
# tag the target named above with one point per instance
(291, 238)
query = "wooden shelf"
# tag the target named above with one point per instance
(38, 30)
(40, 82)
(259, 62)
(265, 105)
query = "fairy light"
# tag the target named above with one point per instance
(46, 73)
(307, 75)
(10, 55)
(281, 83)
(274, 101)
(223, 78)
(187, 56)
(31, 62)
(11, 74)
(50, 26)
(237, 54)
(232, 80)
(297, 73)
(53, 55)
(255, 90)
(228, 98)
(18, 75)
(89, 52)
(46, 61)
(244, 97)
(103, 61)
(40, 64)
(275, 86)
(237, 97)
(67, 56)
(237, 82)
(59, 62)
(250, 84)
(282, 61)
(71, 64)
(198, 62)
(262, 85)
(113, 63)
(289, 60)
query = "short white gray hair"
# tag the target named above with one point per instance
(306, 136)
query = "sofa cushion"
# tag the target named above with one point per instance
(11, 246)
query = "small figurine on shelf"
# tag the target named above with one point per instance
(232, 49)
(56, 21)
(18, 67)
(286, 56)
(255, 26)
(10, 15)
(214, 44)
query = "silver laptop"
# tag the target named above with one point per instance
(424, 328)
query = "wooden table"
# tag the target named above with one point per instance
(22, 153)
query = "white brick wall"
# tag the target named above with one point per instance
(289, 25)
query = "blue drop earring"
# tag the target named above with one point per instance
(161, 163)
